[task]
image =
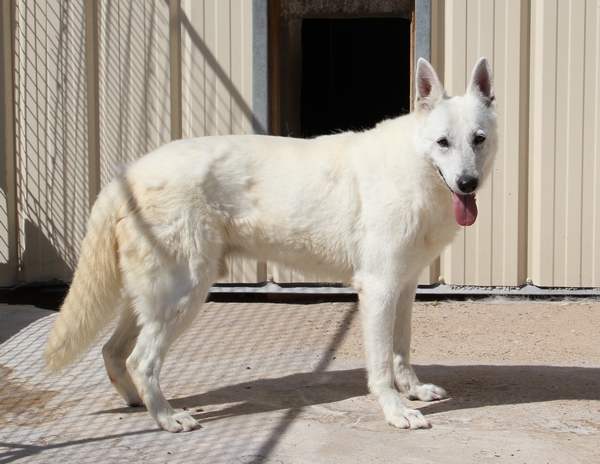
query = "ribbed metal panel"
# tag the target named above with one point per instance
(493, 251)
(217, 81)
(134, 80)
(51, 136)
(65, 127)
(564, 146)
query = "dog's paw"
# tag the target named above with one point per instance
(427, 392)
(407, 419)
(135, 404)
(178, 422)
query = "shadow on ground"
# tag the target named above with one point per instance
(480, 385)
(467, 386)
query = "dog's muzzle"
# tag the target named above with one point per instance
(465, 208)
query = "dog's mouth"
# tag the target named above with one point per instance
(465, 206)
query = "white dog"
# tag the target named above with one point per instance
(371, 209)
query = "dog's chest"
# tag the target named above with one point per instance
(438, 229)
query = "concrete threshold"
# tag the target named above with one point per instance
(424, 292)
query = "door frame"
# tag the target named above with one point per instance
(266, 63)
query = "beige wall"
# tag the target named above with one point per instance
(8, 188)
(539, 213)
(216, 40)
(493, 251)
(217, 67)
(64, 136)
(51, 168)
(564, 145)
(134, 80)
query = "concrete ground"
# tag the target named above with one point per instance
(274, 383)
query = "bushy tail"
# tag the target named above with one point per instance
(96, 288)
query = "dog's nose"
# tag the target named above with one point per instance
(467, 184)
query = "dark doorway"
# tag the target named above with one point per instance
(355, 73)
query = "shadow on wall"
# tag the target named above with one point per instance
(51, 117)
(51, 111)
(44, 255)
(205, 105)
(51, 137)
(45, 261)
(134, 81)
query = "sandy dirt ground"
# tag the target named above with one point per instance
(523, 378)
(274, 383)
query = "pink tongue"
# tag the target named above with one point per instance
(465, 209)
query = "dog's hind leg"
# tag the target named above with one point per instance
(117, 350)
(405, 376)
(163, 318)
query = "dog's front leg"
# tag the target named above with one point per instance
(406, 379)
(378, 308)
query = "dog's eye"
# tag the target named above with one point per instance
(479, 139)
(443, 142)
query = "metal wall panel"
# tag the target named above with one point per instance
(51, 136)
(493, 251)
(217, 67)
(590, 126)
(216, 40)
(564, 146)
(65, 124)
(134, 80)
(8, 189)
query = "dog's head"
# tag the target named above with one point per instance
(459, 133)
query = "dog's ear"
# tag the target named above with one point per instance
(430, 90)
(482, 83)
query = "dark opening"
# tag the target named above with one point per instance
(355, 73)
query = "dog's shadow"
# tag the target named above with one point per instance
(476, 386)
(468, 387)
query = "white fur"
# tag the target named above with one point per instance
(369, 208)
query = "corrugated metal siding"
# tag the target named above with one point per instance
(134, 80)
(539, 213)
(51, 137)
(52, 168)
(564, 145)
(492, 252)
(217, 67)
(8, 190)
(216, 40)
(51, 123)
